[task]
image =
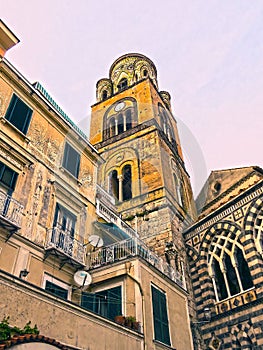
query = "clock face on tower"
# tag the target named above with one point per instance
(119, 106)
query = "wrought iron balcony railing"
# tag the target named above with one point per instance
(10, 210)
(64, 243)
(132, 247)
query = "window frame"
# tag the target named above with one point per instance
(65, 214)
(10, 188)
(122, 84)
(220, 256)
(57, 282)
(11, 113)
(98, 303)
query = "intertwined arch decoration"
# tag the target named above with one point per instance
(253, 223)
(233, 230)
(244, 335)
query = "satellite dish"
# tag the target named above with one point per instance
(82, 279)
(96, 241)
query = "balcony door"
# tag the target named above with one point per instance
(64, 229)
(64, 220)
(8, 179)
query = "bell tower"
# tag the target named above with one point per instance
(133, 129)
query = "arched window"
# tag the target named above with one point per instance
(123, 84)
(220, 282)
(120, 183)
(120, 124)
(177, 190)
(126, 182)
(166, 125)
(230, 272)
(120, 117)
(128, 115)
(114, 184)
(258, 230)
(112, 127)
(145, 73)
(243, 270)
(104, 95)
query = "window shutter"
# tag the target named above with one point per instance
(19, 114)
(161, 326)
(71, 160)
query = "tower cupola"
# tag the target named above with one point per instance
(126, 71)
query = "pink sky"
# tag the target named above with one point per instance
(209, 56)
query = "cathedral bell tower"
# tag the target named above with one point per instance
(133, 129)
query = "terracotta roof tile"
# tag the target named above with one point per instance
(27, 338)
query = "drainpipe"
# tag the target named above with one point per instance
(143, 306)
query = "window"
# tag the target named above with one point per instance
(120, 124)
(230, 272)
(56, 287)
(107, 303)
(126, 183)
(19, 114)
(123, 84)
(65, 220)
(160, 318)
(8, 177)
(121, 186)
(114, 184)
(178, 190)
(104, 95)
(128, 115)
(56, 290)
(63, 229)
(120, 117)
(71, 160)
(166, 125)
(112, 127)
(258, 230)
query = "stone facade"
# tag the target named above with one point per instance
(119, 210)
(225, 254)
(133, 125)
(54, 204)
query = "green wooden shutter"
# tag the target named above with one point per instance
(19, 114)
(71, 160)
(160, 318)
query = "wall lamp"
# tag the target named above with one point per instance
(23, 273)
(207, 316)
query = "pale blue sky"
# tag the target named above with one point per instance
(209, 56)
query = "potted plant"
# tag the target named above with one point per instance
(136, 326)
(7, 332)
(129, 321)
(120, 319)
(5, 329)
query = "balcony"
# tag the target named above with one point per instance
(109, 215)
(10, 213)
(128, 248)
(68, 249)
(105, 197)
